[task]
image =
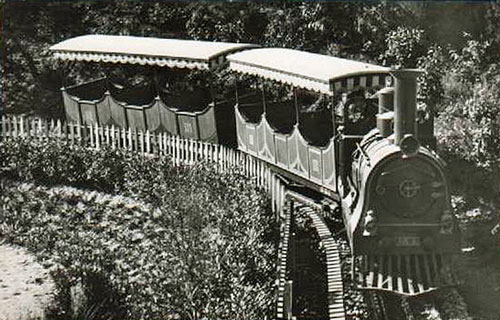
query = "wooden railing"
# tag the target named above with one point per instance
(182, 151)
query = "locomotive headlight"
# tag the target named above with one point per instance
(409, 145)
(446, 223)
(370, 224)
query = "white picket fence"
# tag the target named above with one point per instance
(182, 151)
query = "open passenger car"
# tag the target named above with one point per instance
(187, 111)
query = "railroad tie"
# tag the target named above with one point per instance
(282, 262)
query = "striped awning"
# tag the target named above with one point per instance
(316, 72)
(173, 53)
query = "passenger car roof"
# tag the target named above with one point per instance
(316, 72)
(173, 53)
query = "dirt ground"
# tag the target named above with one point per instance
(25, 286)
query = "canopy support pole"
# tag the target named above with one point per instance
(335, 139)
(156, 82)
(264, 102)
(334, 116)
(342, 144)
(212, 90)
(236, 92)
(296, 104)
(61, 70)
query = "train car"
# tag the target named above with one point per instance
(392, 190)
(190, 110)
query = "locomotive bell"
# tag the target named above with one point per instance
(405, 103)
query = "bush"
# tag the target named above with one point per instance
(468, 124)
(192, 259)
(53, 162)
(194, 242)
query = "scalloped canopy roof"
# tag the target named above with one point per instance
(174, 53)
(312, 71)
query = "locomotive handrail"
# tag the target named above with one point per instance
(363, 152)
(351, 136)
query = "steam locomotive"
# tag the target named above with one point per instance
(315, 120)
(398, 211)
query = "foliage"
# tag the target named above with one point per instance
(474, 123)
(137, 18)
(404, 46)
(431, 86)
(234, 22)
(61, 163)
(299, 25)
(205, 249)
(375, 22)
(469, 123)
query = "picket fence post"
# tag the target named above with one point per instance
(148, 142)
(4, 126)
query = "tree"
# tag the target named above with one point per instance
(235, 22)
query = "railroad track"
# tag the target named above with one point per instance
(283, 309)
(305, 206)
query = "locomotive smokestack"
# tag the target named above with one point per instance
(405, 103)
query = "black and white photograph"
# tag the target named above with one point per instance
(249, 160)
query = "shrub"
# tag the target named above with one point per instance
(195, 242)
(54, 162)
(193, 258)
(468, 124)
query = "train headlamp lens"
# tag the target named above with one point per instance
(409, 145)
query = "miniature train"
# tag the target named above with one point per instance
(344, 128)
